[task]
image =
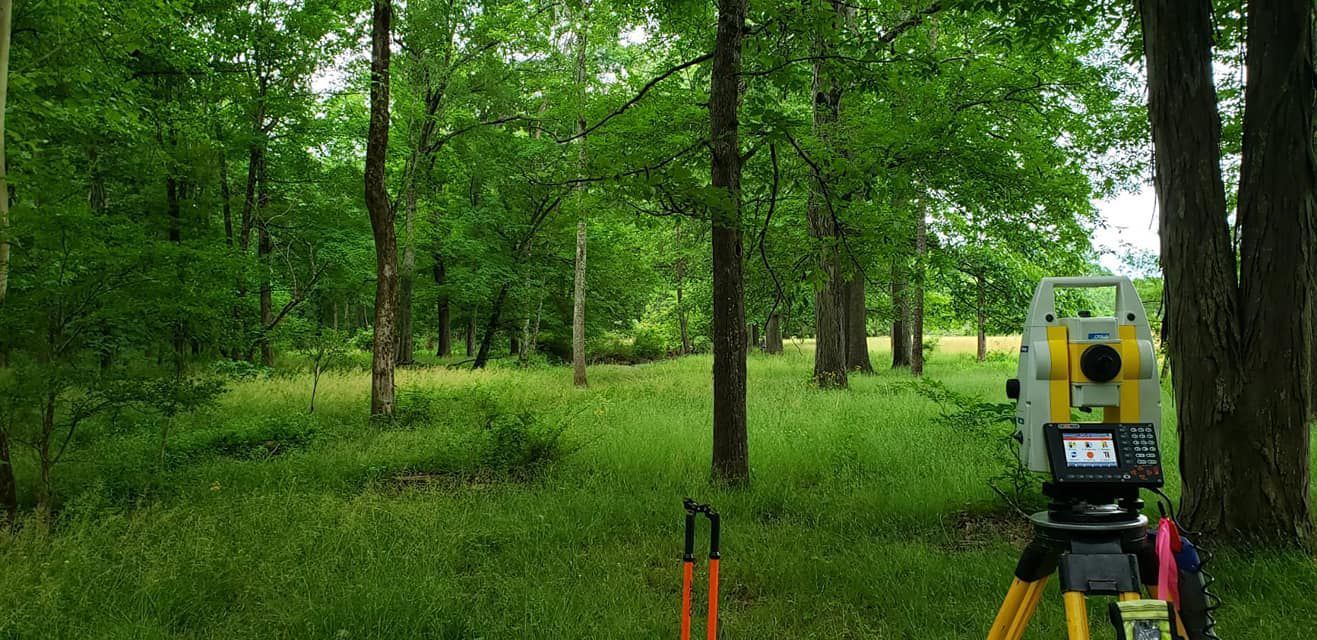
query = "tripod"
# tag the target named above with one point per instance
(1097, 556)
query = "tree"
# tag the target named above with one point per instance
(381, 214)
(8, 487)
(578, 274)
(917, 303)
(731, 460)
(1237, 335)
(6, 17)
(831, 297)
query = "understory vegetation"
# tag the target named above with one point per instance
(504, 504)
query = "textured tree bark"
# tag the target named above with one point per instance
(917, 302)
(731, 460)
(255, 171)
(491, 327)
(381, 214)
(857, 326)
(830, 363)
(443, 312)
(981, 315)
(6, 20)
(773, 334)
(578, 309)
(1237, 348)
(829, 303)
(900, 317)
(578, 275)
(1269, 489)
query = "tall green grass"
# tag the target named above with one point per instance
(865, 519)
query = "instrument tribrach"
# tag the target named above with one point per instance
(1093, 534)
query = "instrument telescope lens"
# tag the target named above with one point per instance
(1100, 363)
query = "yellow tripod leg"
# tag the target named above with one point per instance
(1010, 609)
(1032, 596)
(1076, 615)
(1020, 603)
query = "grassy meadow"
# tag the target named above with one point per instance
(506, 504)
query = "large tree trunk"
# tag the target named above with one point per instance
(6, 17)
(773, 333)
(731, 459)
(578, 276)
(830, 298)
(491, 328)
(900, 317)
(578, 309)
(829, 302)
(381, 215)
(917, 302)
(1237, 348)
(250, 204)
(406, 341)
(443, 312)
(1269, 490)
(857, 330)
(981, 315)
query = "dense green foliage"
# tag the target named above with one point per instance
(187, 178)
(867, 516)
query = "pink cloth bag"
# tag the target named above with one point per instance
(1168, 572)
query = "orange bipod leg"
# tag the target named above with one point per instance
(713, 598)
(688, 574)
(688, 560)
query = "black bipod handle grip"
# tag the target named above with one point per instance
(694, 509)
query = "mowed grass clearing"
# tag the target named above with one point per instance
(865, 519)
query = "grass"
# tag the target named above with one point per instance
(864, 520)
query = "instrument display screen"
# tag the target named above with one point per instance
(1089, 449)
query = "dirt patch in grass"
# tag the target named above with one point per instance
(971, 531)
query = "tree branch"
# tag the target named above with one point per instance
(639, 96)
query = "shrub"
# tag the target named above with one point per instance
(650, 344)
(521, 444)
(611, 349)
(258, 439)
(701, 344)
(995, 422)
(240, 370)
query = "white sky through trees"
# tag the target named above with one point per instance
(1130, 222)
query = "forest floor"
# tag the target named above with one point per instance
(505, 504)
